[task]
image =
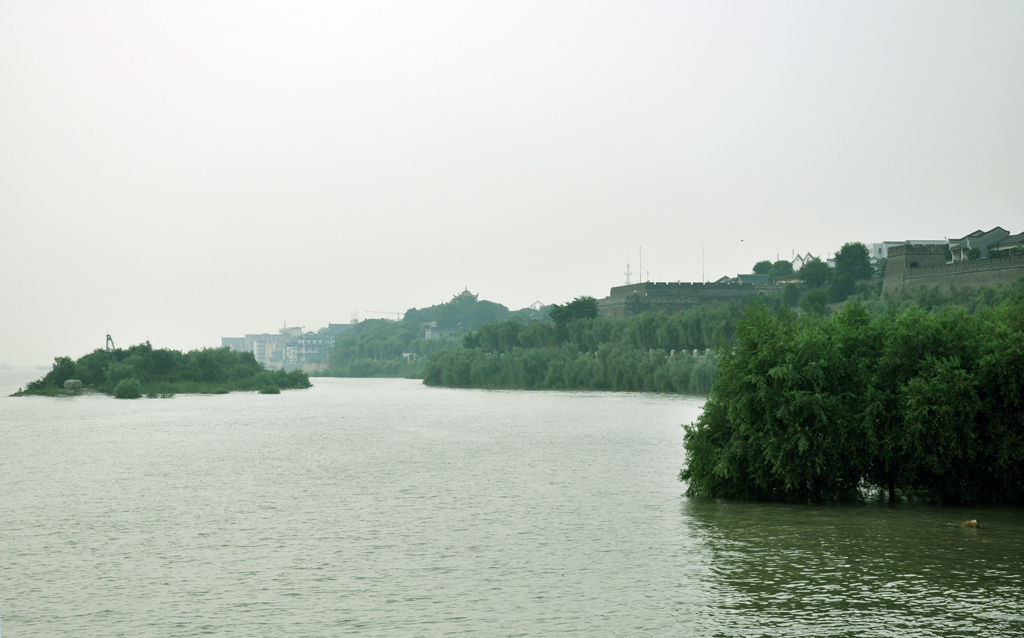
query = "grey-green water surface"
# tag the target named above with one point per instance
(385, 508)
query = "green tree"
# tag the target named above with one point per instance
(909, 344)
(774, 425)
(879, 267)
(910, 401)
(814, 301)
(129, 388)
(815, 273)
(496, 337)
(791, 295)
(579, 308)
(854, 259)
(842, 286)
(762, 267)
(780, 268)
(538, 334)
(64, 368)
(939, 437)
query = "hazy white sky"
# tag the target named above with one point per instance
(182, 171)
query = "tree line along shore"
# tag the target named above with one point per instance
(913, 396)
(570, 347)
(454, 343)
(578, 350)
(817, 392)
(818, 396)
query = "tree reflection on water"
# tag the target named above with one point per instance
(866, 570)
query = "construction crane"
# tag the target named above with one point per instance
(397, 315)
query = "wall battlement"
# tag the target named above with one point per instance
(632, 299)
(914, 266)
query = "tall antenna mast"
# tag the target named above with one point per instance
(628, 273)
(641, 267)
(702, 279)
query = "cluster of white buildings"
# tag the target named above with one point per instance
(989, 243)
(291, 348)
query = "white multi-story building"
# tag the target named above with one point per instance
(290, 348)
(881, 251)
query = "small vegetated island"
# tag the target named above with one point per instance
(142, 370)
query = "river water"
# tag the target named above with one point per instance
(385, 508)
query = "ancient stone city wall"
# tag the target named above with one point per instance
(911, 267)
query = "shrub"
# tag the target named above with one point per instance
(128, 389)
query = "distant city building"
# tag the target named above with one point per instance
(881, 250)
(751, 279)
(959, 248)
(742, 279)
(235, 343)
(289, 349)
(312, 346)
(793, 278)
(431, 331)
(1012, 245)
(948, 265)
(799, 261)
(338, 328)
(980, 239)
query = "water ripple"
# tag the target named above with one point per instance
(383, 508)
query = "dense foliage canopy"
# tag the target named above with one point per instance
(779, 268)
(462, 313)
(141, 369)
(649, 352)
(815, 273)
(854, 259)
(384, 348)
(579, 308)
(909, 401)
(374, 348)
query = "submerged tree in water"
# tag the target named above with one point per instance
(815, 408)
